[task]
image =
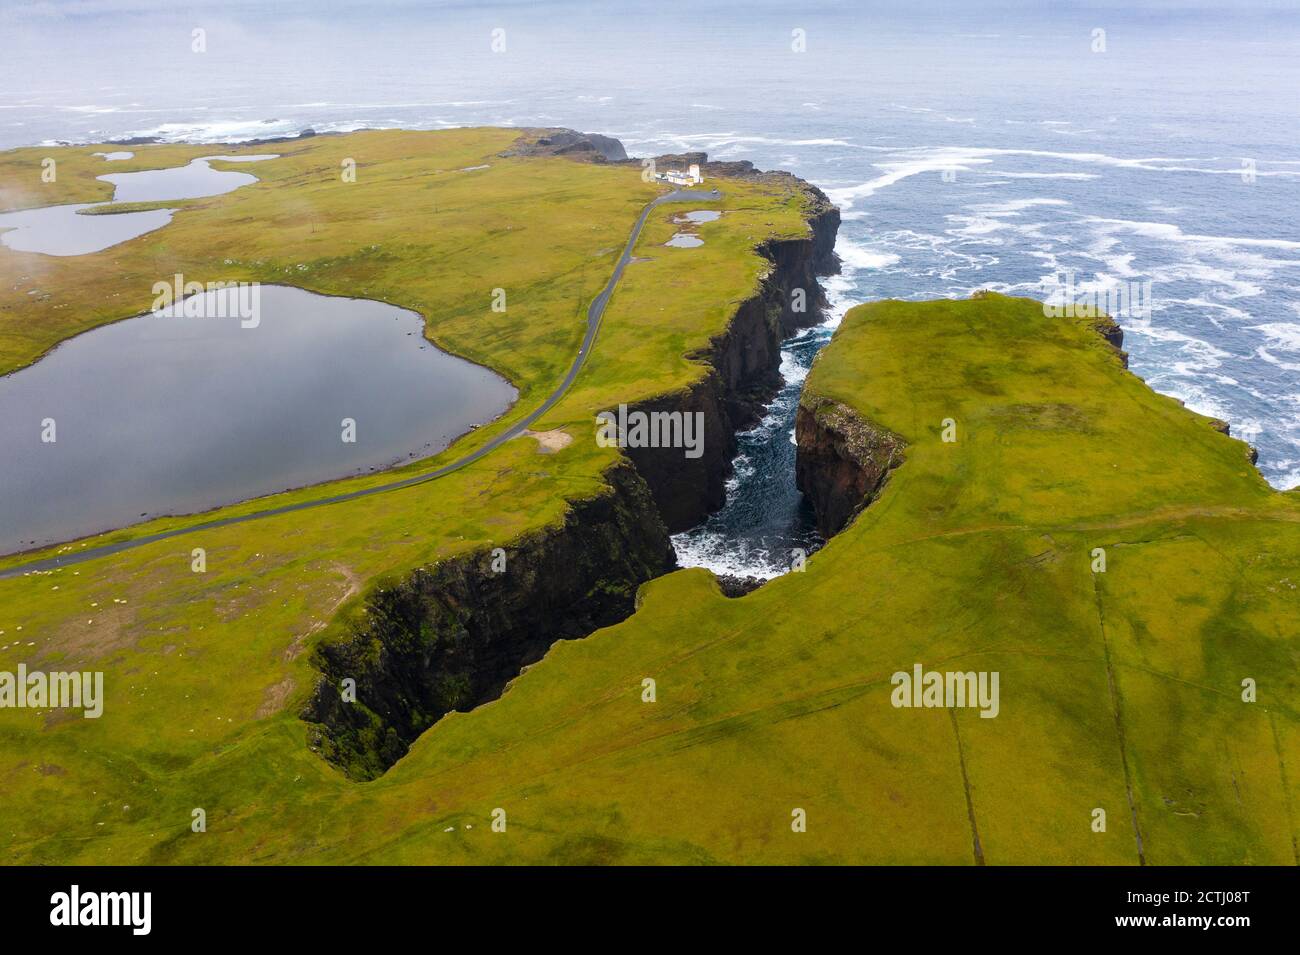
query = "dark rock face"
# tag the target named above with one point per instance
(451, 636)
(744, 370)
(686, 489)
(798, 264)
(732, 586)
(591, 147)
(842, 460)
(1110, 330)
(825, 224)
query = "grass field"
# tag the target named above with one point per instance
(1119, 690)
(206, 663)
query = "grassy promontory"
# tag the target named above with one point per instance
(1120, 690)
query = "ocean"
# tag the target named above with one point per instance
(971, 146)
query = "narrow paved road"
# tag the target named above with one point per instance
(595, 312)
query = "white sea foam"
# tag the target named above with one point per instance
(939, 160)
(1282, 335)
(1169, 232)
(791, 369)
(724, 558)
(713, 142)
(908, 162)
(1230, 310)
(231, 131)
(856, 256)
(1014, 207)
(1208, 354)
(1076, 176)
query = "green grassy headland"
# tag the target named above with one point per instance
(1119, 690)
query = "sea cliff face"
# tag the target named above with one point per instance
(452, 636)
(743, 374)
(842, 460)
(1109, 329)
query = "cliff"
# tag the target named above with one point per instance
(743, 368)
(842, 460)
(1109, 329)
(452, 635)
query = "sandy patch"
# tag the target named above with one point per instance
(550, 441)
(275, 696)
(101, 632)
(352, 587)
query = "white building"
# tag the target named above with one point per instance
(691, 177)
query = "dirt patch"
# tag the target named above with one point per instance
(275, 697)
(352, 587)
(81, 640)
(550, 441)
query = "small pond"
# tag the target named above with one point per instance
(63, 230)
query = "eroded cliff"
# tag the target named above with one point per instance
(451, 636)
(842, 461)
(743, 368)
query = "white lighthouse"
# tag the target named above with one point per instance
(690, 177)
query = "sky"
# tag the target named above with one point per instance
(37, 10)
